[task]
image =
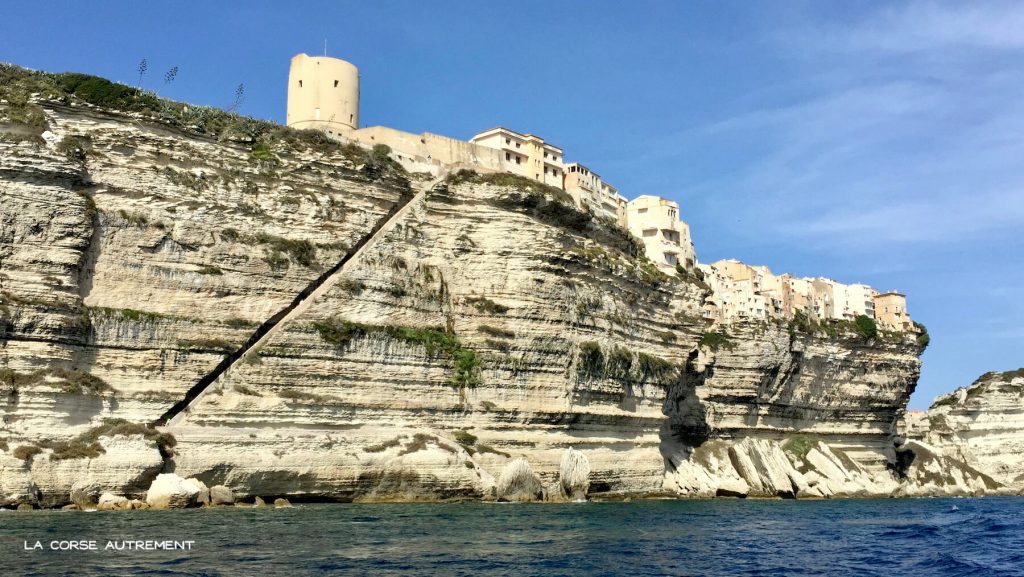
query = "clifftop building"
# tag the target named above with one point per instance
(525, 154)
(587, 189)
(323, 93)
(741, 292)
(655, 221)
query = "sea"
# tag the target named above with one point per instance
(885, 537)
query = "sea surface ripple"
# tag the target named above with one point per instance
(940, 537)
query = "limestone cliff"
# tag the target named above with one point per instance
(312, 321)
(792, 413)
(980, 426)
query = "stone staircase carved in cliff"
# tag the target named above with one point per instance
(298, 306)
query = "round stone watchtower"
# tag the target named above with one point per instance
(323, 93)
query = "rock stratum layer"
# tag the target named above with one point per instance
(488, 327)
(979, 429)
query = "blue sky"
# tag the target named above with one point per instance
(868, 142)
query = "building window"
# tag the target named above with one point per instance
(335, 83)
(507, 141)
(518, 160)
(642, 211)
(300, 84)
(517, 145)
(508, 156)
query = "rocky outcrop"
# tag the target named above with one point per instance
(221, 495)
(518, 483)
(491, 328)
(779, 412)
(574, 475)
(171, 491)
(971, 440)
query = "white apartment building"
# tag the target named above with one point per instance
(587, 189)
(655, 221)
(525, 154)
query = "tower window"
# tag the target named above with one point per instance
(335, 83)
(300, 84)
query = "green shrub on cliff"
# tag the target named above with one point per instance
(301, 251)
(865, 326)
(436, 342)
(591, 363)
(621, 364)
(68, 381)
(656, 369)
(716, 340)
(799, 446)
(102, 92)
(484, 304)
(923, 338)
(464, 438)
(26, 452)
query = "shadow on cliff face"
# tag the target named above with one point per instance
(686, 426)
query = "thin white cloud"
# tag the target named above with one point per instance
(927, 26)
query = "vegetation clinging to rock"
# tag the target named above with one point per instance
(716, 340)
(69, 381)
(621, 364)
(438, 343)
(24, 89)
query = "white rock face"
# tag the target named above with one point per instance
(971, 440)
(488, 310)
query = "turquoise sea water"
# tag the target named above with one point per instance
(944, 537)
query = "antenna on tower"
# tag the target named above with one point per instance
(325, 47)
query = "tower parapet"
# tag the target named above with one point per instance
(323, 93)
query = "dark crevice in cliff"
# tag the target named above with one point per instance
(228, 361)
(687, 425)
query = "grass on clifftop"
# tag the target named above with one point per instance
(24, 89)
(438, 343)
